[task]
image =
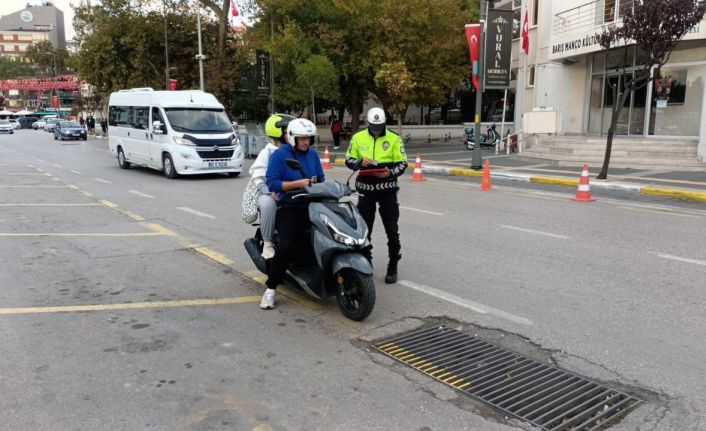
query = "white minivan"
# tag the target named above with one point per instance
(177, 132)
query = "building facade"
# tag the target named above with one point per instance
(568, 72)
(46, 19)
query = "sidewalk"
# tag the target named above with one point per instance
(668, 183)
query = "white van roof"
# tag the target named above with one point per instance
(166, 99)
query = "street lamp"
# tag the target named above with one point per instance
(199, 57)
(53, 73)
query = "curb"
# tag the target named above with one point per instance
(681, 194)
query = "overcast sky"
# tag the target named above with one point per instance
(9, 6)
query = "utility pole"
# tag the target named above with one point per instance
(272, 67)
(199, 57)
(477, 161)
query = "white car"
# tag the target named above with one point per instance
(6, 127)
(16, 124)
(39, 124)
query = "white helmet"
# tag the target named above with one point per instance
(300, 128)
(376, 119)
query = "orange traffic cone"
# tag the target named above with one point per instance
(327, 160)
(583, 192)
(418, 175)
(485, 183)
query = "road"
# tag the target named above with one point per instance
(172, 337)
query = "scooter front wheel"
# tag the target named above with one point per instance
(356, 294)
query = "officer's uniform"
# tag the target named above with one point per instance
(388, 151)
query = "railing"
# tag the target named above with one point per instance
(589, 16)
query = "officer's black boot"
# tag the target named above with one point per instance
(391, 276)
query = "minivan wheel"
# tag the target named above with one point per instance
(124, 164)
(168, 164)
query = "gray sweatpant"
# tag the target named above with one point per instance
(268, 212)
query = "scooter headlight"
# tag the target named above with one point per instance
(338, 235)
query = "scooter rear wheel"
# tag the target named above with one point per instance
(356, 294)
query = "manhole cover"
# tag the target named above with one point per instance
(543, 395)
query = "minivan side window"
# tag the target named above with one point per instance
(157, 116)
(120, 116)
(141, 117)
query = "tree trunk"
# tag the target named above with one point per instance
(617, 108)
(355, 112)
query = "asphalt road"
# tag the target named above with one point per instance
(611, 289)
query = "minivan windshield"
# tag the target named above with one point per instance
(197, 120)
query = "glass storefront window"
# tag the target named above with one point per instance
(677, 100)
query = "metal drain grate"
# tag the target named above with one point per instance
(545, 396)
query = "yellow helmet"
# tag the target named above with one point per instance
(276, 126)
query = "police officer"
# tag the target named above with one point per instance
(381, 152)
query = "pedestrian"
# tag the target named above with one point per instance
(336, 129)
(91, 122)
(382, 152)
(292, 217)
(104, 126)
(81, 121)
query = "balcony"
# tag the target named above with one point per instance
(589, 17)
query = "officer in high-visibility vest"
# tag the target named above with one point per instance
(382, 150)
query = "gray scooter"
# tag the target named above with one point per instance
(332, 263)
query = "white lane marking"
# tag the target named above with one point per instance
(537, 232)
(682, 259)
(466, 303)
(56, 166)
(75, 172)
(144, 195)
(101, 180)
(421, 211)
(195, 212)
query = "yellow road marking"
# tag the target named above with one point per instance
(109, 204)
(285, 291)
(213, 255)
(158, 229)
(130, 306)
(134, 216)
(674, 193)
(554, 180)
(84, 234)
(49, 205)
(84, 192)
(36, 187)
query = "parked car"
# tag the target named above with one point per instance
(26, 122)
(16, 124)
(69, 130)
(6, 127)
(39, 124)
(50, 124)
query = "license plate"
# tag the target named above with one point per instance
(217, 165)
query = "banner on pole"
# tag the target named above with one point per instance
(263, 72)
(473, 39)
(496, 72)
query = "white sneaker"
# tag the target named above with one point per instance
(268, 300)
(268, 251)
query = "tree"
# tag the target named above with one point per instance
(317, 77)
(396, 89)
(45, 57)
(358, 36)
(654, 27)
(10, 69)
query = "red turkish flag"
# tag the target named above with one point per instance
(525, 34)
(236, 23)
(473, 38)
(55, 101)
(172, 84)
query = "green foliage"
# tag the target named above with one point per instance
(10, 69)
